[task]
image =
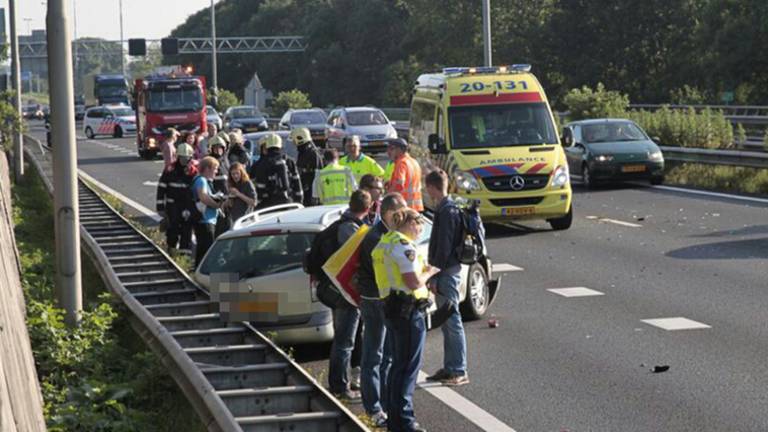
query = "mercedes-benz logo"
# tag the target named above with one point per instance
(517, 182)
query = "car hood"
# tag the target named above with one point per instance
(364, 131)
(127, 119)
(248, 120)
(502, 161)
(623, 147)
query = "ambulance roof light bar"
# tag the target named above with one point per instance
(463, 70)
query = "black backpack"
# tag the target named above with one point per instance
(472, 244)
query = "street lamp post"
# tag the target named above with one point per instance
(18, 160)
(214, 66)
(487, 58)
(122, 52)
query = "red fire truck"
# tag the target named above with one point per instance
(172, 99)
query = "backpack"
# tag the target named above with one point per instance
(472, 244)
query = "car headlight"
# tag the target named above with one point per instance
(656, 156)
(604, 158)
(561, 177)
(466, 181)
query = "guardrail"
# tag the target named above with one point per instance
(235, 378)
(735, 158)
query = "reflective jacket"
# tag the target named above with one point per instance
(361, 166)
(334, 184)
(394, 255)
(173, 190)
(406, 179)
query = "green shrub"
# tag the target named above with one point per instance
(686, 128)
(741, 134)
(584, 103)
(226, 99)
(741, 180)
(687, 95)
(765, 140)
(293, 99)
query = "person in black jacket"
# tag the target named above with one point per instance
(308, 161)
(443, 244)
(275, 175)
(218, 148)
(174, 200)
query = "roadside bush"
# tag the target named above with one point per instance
(585, 103)
(740, 180)
(293, 99)
(686, 128)
(687, 95)
(226, 99)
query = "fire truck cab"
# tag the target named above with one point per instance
(167, 100)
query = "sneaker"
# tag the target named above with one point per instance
(439, 376)
(417, 428)
(455, 380)
(379, 419)
(354, 379)
(349, 396)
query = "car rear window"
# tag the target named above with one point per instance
(257, 255)
(301, 118)
(366, 118)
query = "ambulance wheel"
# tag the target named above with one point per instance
(562, 223)
(118, 132)
(89, 133)
(478, 293)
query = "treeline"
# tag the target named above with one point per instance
(371, 51)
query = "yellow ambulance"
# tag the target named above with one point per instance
(491, 129)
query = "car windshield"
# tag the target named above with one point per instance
(122, 112)
(112, 91)
(501, 125)
(305, 118)
(366, 118)
(211, 111)
(257, 255)
(176, 99)
(244, 113)
(612, 132)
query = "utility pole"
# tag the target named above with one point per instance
(214, 65)
(487, 59)
(65, 200)
(122, 52)
(18, 138)
(76, 74)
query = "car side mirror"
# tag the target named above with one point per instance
(392, 122)
(656, 140)
(567, 140)
(436, 144)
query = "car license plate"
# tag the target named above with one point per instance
(518, 211)
(632, 168)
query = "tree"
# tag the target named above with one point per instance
(226, 99)
(293, 99)
(584, 103)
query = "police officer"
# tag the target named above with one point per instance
(308, 162)
(275, 174)
(401, 275)
(335, 183)
(218, 148)
(174, 200)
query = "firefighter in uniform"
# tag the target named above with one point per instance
(275, 175)
(401, 274)
(406, 174)
(174, 199)
(218, 148)
(335, 183)
(308, 162)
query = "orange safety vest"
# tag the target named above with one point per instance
(406, 179)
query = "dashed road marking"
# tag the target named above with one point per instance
(676, 323)
(150, 183)
(614, 221)
(576, 292)
(463, 406)
(505, 267)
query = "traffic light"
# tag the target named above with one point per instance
(169, 46)
(137, 47)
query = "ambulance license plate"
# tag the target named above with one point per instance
(518, 211)
(633, 168)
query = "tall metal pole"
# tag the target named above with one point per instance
(214, 65)
(76, 75)
(122, 49)
(487, 59)
(67, 215)
(18, 138)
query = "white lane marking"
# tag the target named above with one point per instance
(676, 323)
(575, 292)
(150, 183)
(622, 223)
(505, 267)
(712, 194)
(138, 207)
(463, 406)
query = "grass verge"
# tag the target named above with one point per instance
(100, 376)
(735, 180)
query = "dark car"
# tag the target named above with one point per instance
(611, 149)
(246, 118)
(252, 140)
(313, 119)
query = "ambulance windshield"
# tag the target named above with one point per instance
(501, 125)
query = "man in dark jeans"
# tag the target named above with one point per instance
(346, 317)
(443, 244)
(377, 345)
(207, 205)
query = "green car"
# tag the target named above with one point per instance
(611, 149)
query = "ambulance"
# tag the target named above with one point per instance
(492, 130)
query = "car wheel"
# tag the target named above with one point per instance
(586, 177)
(478, 293)
(118, 132)
(562, 223)
(89, 133)
(657, 180)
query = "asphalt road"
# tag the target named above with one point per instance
(560, 363)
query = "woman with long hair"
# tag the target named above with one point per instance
(242, 193)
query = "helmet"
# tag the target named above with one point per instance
(301, 136)
(236, 136)
(224, 136)
(272, 141)
(217, 141)
(184, 150)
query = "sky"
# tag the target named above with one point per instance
(148, 19)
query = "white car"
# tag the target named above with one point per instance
(114, 120)
(264, 252)
(212, 116)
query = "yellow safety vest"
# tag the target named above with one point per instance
(388, 170)
(362, 166)
(334, 184)
(388, 275)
